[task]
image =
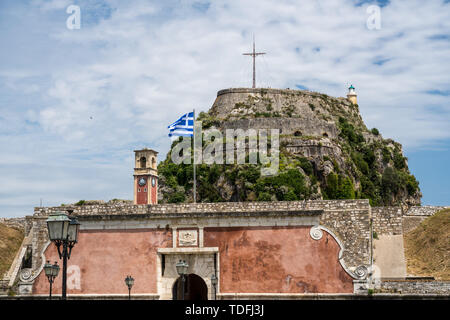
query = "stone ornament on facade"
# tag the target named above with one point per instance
(25, 274)
(28, 274)
(316, 233)
(361, 272)
(187, 238)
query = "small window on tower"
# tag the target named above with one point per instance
(145, 189)
(139, 189)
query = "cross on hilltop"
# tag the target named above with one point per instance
(254, 54)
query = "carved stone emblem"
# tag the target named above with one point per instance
(187, 238)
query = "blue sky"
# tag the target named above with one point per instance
(74, 104)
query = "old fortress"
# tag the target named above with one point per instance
(256, 250)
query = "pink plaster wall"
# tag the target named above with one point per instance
(106, 257)
(277, 260)
(252, 260)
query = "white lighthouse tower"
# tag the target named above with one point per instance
(351, 95)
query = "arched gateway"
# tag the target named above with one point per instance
(195, 288)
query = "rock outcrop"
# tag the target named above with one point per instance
(326, 152)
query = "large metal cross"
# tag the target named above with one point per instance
(254, 54)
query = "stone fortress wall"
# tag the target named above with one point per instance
(415, 215)
(387, 220)
(351, 221)
(348, 219)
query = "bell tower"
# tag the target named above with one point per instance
(145, 177)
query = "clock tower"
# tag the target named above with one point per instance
(145, 177)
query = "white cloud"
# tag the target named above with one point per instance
(134, 71)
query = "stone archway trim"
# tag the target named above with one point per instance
(359, 272)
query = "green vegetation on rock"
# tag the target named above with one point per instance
(352, 163)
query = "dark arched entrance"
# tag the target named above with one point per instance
(194, 288)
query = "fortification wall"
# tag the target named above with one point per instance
(424, 210)
(415, 287)
(288, 126)
(18, 223)
(415, 215)
(347, 219)
(387, 220)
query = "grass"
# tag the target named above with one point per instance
(10, 241)
(427, 248)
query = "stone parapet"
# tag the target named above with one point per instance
(207, 208)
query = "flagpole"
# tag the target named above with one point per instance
(195, 179)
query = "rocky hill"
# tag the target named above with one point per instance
(326, 152)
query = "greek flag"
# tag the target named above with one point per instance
(184, 126)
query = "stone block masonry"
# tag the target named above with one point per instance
(415, 287)
(387, 220)
(17, 223)
(415, 215)
(424, 210)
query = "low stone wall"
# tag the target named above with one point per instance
(424, 210)
(411, 222)
(18, 223)
(415, 215)
(415, 287)
(387, 220)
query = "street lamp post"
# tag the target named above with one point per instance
(214, 284)
(129, 281)
(63, 232)
(51, 271)
(182, 267)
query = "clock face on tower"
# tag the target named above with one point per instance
(153, 182)
(142, 182)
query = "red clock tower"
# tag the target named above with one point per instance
(145, 177)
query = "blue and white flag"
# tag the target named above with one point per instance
(183, 126)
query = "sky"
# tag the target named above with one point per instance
(76, 102)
